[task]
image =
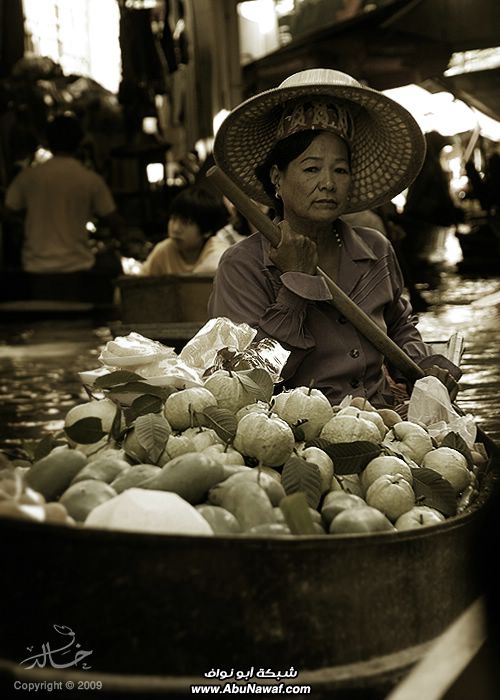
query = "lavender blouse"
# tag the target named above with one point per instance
(293, 308)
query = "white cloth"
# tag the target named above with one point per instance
(165, 259)
(60, 196)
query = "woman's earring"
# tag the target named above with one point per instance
(277, 192)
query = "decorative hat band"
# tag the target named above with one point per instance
(316, 114)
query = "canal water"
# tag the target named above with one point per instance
(40, 360)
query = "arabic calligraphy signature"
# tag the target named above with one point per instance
(47, 654)
(240, 675)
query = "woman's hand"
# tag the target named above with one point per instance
(446, 378)
(295, 253)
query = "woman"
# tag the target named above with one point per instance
(191, 247)
(319, 146)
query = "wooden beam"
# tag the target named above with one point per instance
(446, 659)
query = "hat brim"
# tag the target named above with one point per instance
(387, 150)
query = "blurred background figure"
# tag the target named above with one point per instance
(192, 246)
(237, 228)
(59, 199)
(481, 244)
(430, 209)
(486, 189)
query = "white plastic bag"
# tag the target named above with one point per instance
(170, 372)
(132, 351)
(430, 404)
(217, 333)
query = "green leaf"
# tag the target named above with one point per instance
(125, 399)
(125, 394)
(298, 431)
(140, 388)
(258, 382)
(433, 490)
(226, 358)
(86, 431)
(116, 426)
(145, 404)
(89, 392)
(299, 475)
(27, 451)
(297, 514)
(250, 386)
(152, 432)
(456, 442)
(348, 457)
(120, 376)
(219, 419)
(319, 442)
(44, 446)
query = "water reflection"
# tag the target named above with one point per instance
(39, 363)
(453, 310)
(38, 376)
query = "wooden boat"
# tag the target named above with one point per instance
(480, 249)
(55, 295)
(169, 308)
(349, 613)
(490, 300)
(164, 298)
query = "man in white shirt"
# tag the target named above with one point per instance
(59, 197)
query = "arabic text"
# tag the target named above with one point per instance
(65, 656)
(251, 672)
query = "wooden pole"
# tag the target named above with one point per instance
(448, 658)
(361, 321)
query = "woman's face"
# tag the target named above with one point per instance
(186, 234)
(315, 186)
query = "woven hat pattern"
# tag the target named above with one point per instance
(387, 150)
(315, 113)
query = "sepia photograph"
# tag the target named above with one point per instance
(249, 349)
